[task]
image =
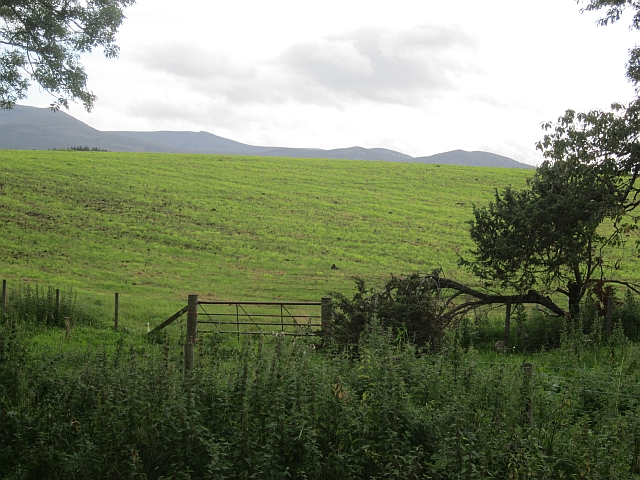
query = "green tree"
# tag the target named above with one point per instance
(605, 138)
(606, 143)
(41, 40)
(614, 10)
(546, 237)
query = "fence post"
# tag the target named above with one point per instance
(57, 300)
(325, 314)
(609, 315)
(4, 296)
(192, 331)
(527, 390)
(116, 311)
(507, 324)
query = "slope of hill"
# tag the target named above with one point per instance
(30, 128)
(194, 142)
(231, 226)
(234, 227)
(351, 153)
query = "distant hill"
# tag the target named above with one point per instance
(474, 159)
(30, 128)
(193, 142)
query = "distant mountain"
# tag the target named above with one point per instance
(30, 128)
(472, 159)
(193, 142)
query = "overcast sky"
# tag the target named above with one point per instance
(417, 76)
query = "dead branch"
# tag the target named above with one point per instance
(532, 297)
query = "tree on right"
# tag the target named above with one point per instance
(547, 237)
(550, 236)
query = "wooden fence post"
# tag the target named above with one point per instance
(192, 331)
(507, 324)
(57, 300)
(527, 390)
(609, 315)
(325, 314)
(4, 296)
(116, 311)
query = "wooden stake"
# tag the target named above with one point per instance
(527, 384)
(192, 332)
(325, 314)
(609, 315)
(507, 324)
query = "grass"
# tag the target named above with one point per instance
(158, 227)
(94, 403)
(286, 410)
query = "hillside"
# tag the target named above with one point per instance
(471, 159)
(165, 225)
(161, 226)
(30, 128)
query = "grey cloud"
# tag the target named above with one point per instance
(382, 65)
(378, 65)
(193, 62)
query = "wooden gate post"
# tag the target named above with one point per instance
(325, 314)
(507, 324)
(609, 315)
(192, 331)
(4, 296)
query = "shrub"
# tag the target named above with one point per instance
(37, 305)
(628, 314)
(406, 305)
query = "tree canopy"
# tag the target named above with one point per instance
(549, 235)
(546, 236)
(42, 40)
(614, 10)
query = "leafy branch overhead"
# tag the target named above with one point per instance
(614, 10)
(42, 40)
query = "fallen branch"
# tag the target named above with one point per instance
(489, 299)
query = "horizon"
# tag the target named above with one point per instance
(416, 78)
(274, 147)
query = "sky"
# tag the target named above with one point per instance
(417, 76)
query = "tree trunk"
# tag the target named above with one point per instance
(574, 300)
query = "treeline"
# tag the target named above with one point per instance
(82, 149)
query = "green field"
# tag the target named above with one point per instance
(85, 401)
(156, 227)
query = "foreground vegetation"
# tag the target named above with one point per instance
(274, 408)
(78, 400)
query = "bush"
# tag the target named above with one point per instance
(628, 315)
(406, 305)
